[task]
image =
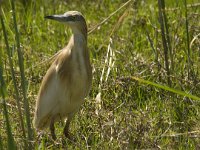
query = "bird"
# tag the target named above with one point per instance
(68, 80)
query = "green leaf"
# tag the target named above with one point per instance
(164, 87)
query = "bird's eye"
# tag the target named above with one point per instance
(73, 18)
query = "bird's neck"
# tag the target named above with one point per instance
(80, 31)
(80, 39)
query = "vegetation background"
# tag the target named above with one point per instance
(146, 73)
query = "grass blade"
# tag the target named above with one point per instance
(14, 81)
(11, 142)
(187, 41)
(23, 79)
(166, 88)
(167, 36)
(161, 8)
(1, 143)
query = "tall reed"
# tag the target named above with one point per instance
(22, 75)
(188, 52)
(14, 81)
(10, 139)
(1, 144)
(164, 33)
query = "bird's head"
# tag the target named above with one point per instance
(72, 18)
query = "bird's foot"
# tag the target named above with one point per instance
(53, 137)
(69, 136)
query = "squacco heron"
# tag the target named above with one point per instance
(68, 80)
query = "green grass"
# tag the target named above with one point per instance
(139, 105)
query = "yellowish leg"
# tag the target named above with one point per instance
(52, 129)
(66, 129)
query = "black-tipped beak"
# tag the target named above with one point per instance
(49, 17)
(60, 18)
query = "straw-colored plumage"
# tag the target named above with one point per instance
(68, 80)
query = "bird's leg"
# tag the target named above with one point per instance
(66, 129)
(52, 129)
